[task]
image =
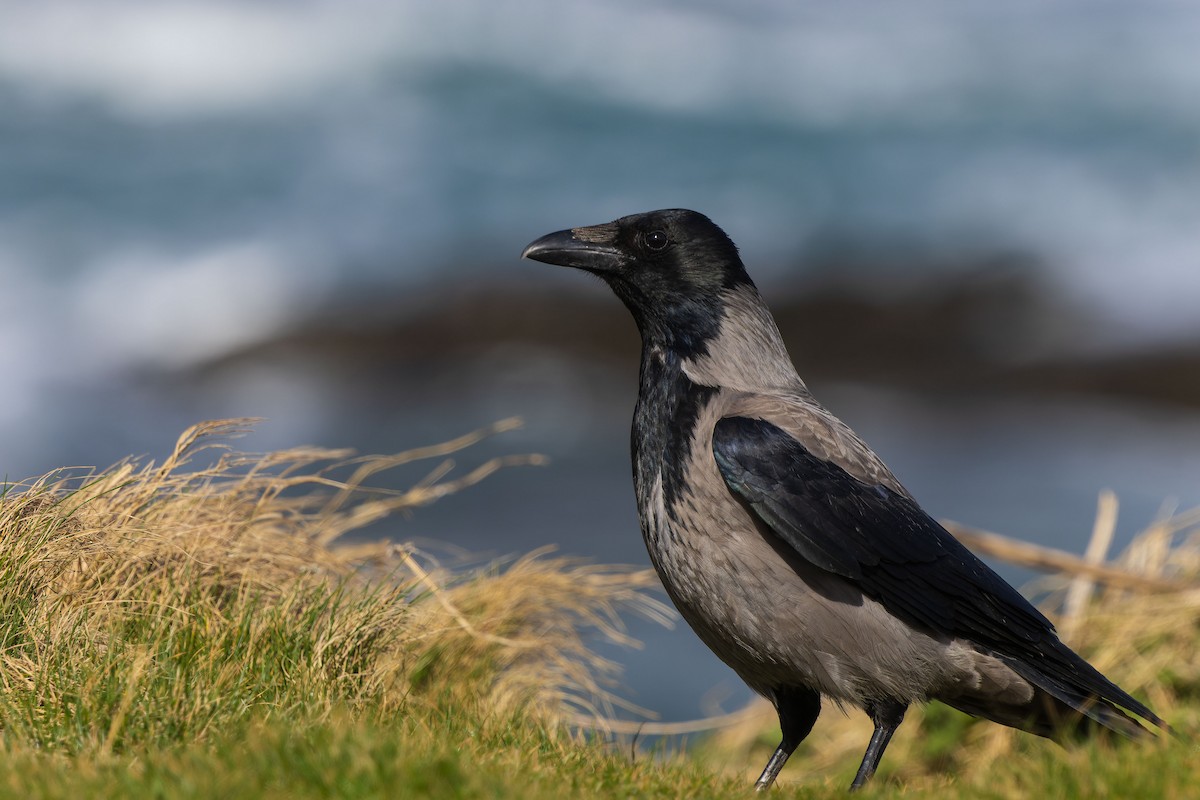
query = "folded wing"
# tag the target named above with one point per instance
(883, 542)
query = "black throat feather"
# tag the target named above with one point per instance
(664, 425)
(678, 321)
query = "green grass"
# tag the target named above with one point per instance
(455, 754)
(174, 631)
(356, 758)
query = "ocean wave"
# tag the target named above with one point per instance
(359, 142)
(931, 63)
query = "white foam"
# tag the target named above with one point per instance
(152, 58)
(817, 63)
(147, 306)
(1126, 246)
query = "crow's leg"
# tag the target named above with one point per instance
(798, 709)
(887, 716)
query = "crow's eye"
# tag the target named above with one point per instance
(657, 240)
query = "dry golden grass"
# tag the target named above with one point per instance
(214, 583)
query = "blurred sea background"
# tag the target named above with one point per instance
(978, 223)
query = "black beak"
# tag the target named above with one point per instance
(565, 249)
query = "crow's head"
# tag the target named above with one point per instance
(672, 268)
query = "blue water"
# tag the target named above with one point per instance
(180, 179)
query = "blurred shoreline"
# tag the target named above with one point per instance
(986, 331)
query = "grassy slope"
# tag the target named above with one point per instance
(194, 631)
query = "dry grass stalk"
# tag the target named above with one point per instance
(1080, 591)
(230, 539)
(1047, 559)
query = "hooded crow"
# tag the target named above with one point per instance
(785, 542)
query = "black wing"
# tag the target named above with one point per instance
(884, 543)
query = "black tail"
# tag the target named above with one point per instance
(1072, 698)
(1046, 715)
